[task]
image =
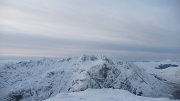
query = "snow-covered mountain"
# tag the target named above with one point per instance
(166, 70)
(37, 80)
(105, 94)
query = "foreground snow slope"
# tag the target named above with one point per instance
(103, 95)
(37, 80)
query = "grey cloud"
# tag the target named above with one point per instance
(148, 26)
(47, 43)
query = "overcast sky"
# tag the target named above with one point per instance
(125, 28)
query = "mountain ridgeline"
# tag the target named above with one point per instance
(37, 80)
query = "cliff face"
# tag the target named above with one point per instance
(41, 79)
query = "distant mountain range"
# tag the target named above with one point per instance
(40, 79)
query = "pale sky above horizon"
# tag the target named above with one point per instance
(127, 28)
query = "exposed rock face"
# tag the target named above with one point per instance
(39, 80)
(175, 94)
(164, 66)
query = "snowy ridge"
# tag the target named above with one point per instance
(99, 95)
(170, 74)
(37, 80)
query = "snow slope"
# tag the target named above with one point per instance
(37, 80)
(103, 95)
(170, 74)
